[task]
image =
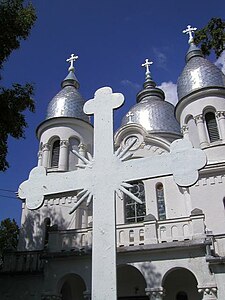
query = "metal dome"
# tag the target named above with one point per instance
(198, 73)
(152, 112)
(154, 115)
(68, 102)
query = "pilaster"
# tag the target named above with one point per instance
(45, 155)
(185, 131)
(203, 138)
(40, 154)
(220, 115)
(82, 151)
(63, 155)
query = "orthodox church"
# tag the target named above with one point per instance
(171, 244)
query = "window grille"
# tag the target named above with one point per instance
(135, 212)
(55, 154)
(212, 128)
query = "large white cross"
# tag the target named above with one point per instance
(189, 31)
(106, 173)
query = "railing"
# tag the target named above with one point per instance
(148, 232)
(26, 261)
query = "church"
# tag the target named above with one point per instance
(170, 236)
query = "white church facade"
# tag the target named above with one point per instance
(169, 247)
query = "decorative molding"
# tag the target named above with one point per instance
(184, 129)
(46, 147)
(155, 293)
(64, 143)
(199, 119)
(209, 292)
(220, 114)
(39, 155)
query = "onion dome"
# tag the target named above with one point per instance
(68, 102)
(198, 73)
(151, 111)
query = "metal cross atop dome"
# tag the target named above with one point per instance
(71, 60)
(146, 65)
(189, 31)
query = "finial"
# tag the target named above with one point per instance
(189, 31)
(71, 60)
(146, 65)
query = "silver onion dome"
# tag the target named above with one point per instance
(198, 73)
(68, 102)
(151, 111)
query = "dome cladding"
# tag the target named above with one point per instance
(197, 74)
(67, 103)
(154, 115)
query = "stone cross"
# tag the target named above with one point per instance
(102, 176)
(146, 65)
(189, 31)
(71, 60)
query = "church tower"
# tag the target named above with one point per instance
(65, 129)
(201, 106)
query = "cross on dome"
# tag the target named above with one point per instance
(71, 60)
(189, 31)
(146, 65)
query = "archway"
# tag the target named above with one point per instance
(130, 283)
(72, 287)
(180, 284)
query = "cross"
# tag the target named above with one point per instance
(129, 115)
(146, 65)
(71, 60)
(189, 31)
(105, 174)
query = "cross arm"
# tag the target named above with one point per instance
(41, 184)
(183, 162)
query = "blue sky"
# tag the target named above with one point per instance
(112, 39)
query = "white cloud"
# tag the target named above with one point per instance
(220, 62)
(170, 90)
(160, 58)
(130, 84)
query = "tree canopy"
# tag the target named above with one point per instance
(9, 234)
(16, 21)
(211, 38)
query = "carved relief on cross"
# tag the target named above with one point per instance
(71, 60)
(189, 31)
(106, 173)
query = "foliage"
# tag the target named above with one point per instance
(211, 38)
(16, 21)
(9, 234)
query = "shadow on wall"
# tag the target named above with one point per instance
(36, 226)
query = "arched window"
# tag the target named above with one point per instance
(160, 201)
(135, 212)
(55, 154)
(212, 128)
(224, 202)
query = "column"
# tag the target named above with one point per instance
(203, 138)
(45, 155)
(220, 115)
(82, 151)
(39, 158)
(208, 293)
(155, 293)
(184, 131)
(63, 155)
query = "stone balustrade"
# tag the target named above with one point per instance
(148, 232)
